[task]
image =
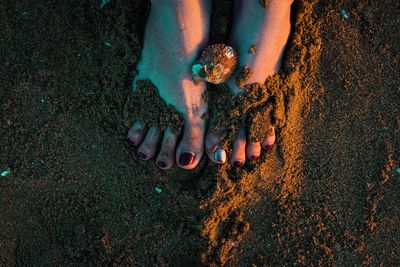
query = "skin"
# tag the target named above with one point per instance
(267, 29)
(170, 48)
(176, 32)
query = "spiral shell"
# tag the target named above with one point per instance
(216, 64)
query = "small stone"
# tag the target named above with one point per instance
(104, 2)
(6, 172)
(42, 101)
(108, 44)
(158, 189)
(398, 170)
(344, 14)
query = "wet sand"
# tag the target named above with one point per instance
(77, 194)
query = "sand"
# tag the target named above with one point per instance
(77, 194)
(163, 116)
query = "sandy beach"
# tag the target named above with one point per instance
(73, 191)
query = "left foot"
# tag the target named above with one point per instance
(266, 31)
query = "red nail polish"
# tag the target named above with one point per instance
(254, 157)
(161, 164)
(142, 155)
(186, 158)
(238, 164)
(130, 141)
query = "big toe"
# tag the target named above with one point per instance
(190, 149)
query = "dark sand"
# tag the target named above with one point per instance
(328, 194)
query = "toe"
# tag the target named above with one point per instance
(239, 149)
(253, 151)
(166, 157)
(136, 133)
(215, 153)
(190, 149)
(149, 146)
(269, 140)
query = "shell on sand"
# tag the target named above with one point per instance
(216, 64)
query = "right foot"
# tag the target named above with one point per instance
(176, 31)
(266, 30)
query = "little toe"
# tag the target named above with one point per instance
(253, 151)
(166, 157)
(269, 140)
(149, 146)
(191, 148)
(215, 153)
(239, 149)
(136, 133)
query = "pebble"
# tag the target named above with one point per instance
(344, 14)
(158, 189)
(398, 170)
(6, 172)
(104, 2)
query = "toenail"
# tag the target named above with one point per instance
(186, 158)
(254, 157)
(161, 164)
(130, 141)
(238, 164)
(142, 155)
(220, 155)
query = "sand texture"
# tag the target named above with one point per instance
(137, 109)
(77, 195)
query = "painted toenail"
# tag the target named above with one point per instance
(269, 147)
(220, 155)
(130, 141)
(254, 157)
(186, 158)
(238, 164)
(142, 155)
(161, 164)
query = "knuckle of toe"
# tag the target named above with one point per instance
(146, 146)
(169, 142)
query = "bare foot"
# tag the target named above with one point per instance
(265, 32)
(176, 31)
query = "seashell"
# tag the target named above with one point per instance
(216, 64)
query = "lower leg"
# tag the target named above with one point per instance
(266, 30)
